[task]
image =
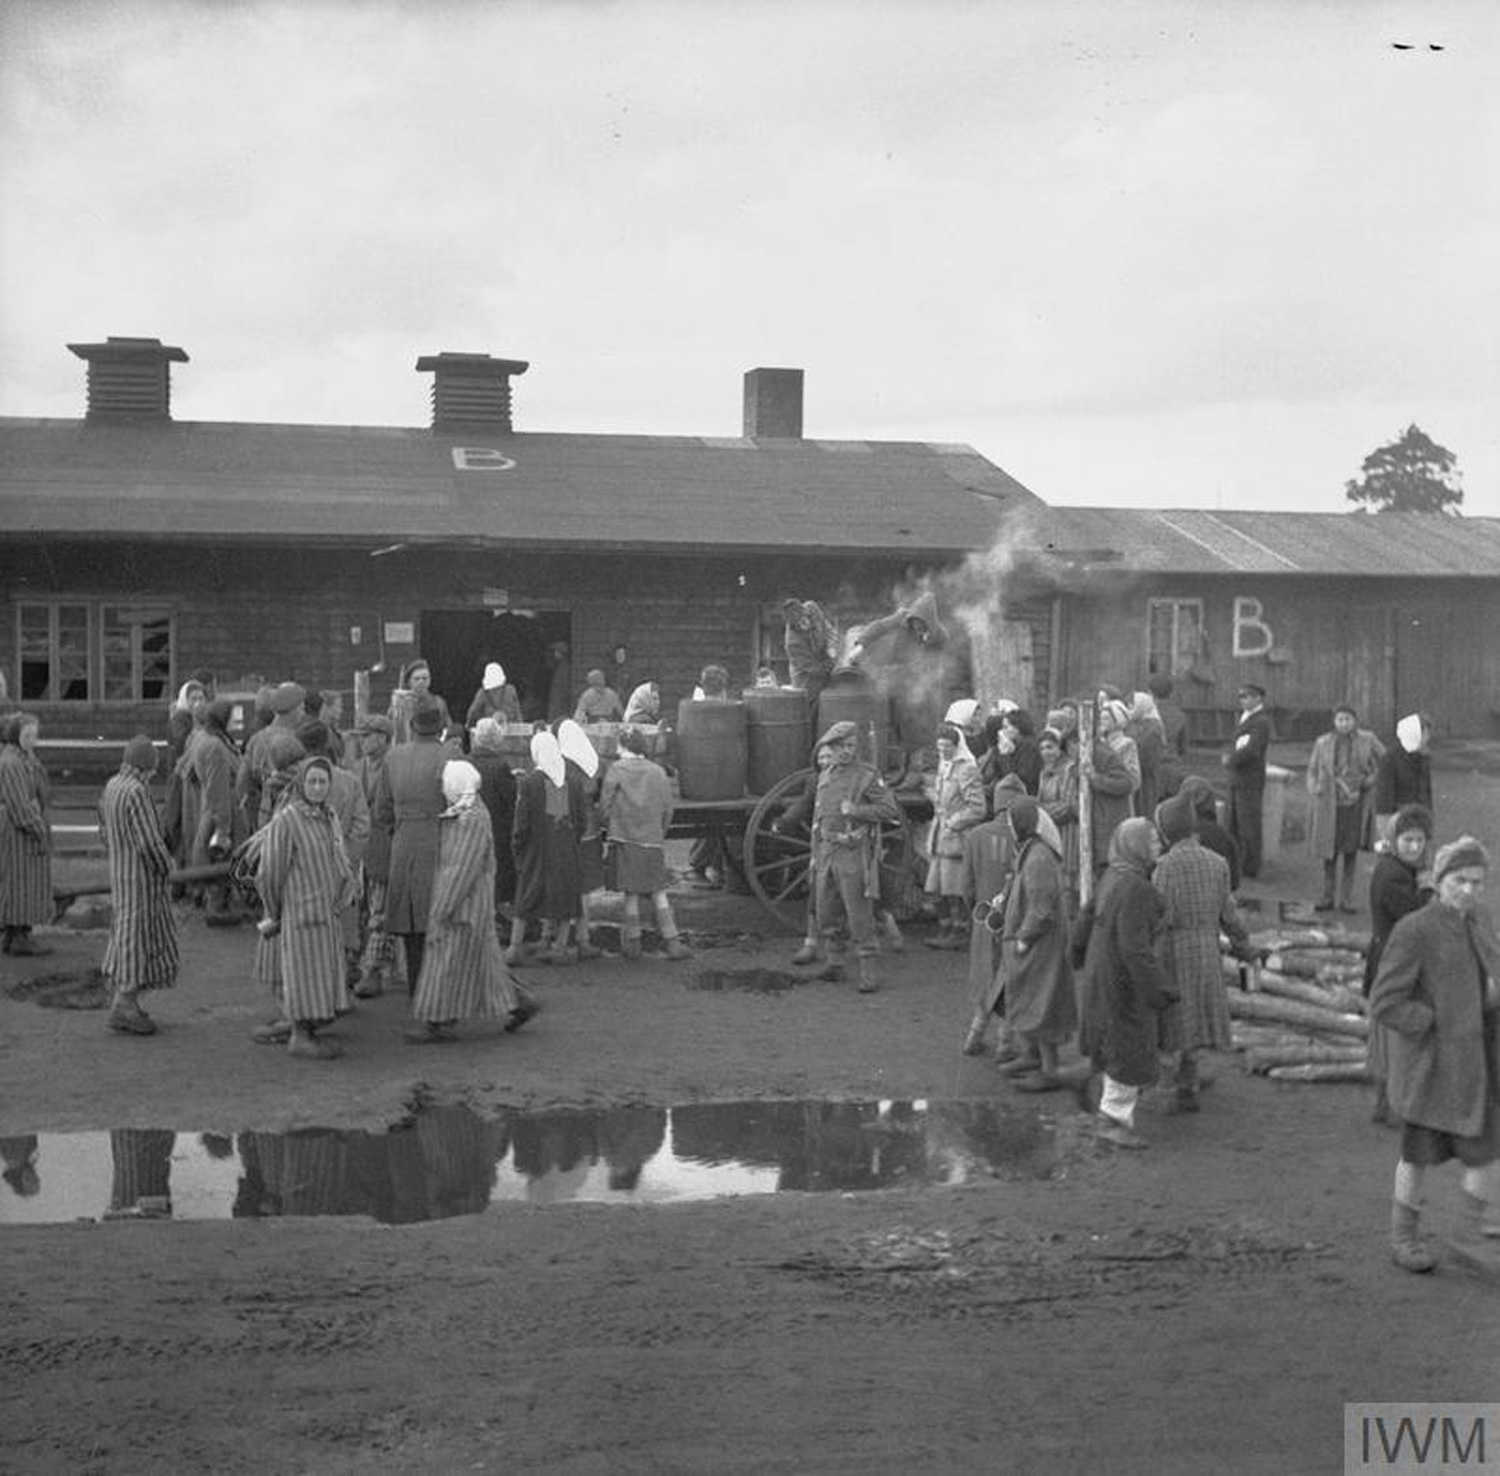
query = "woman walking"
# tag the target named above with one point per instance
(548, 826)
(305, 881)
(142, 950)
(1396, 888)
(213, 764)
(1438, 993)
(1041, 1009)
(463, 973)
(1124, 985)
(1194, 883)
(25, 837)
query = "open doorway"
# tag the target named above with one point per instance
(459, 644)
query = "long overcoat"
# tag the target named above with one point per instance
(1124, 984)
(1111, 785)
(550, 821)
(411, 799)
(213, 765)
(497, 788)
(142, 948)
(989, 862)
(1366, 751)
(1040, 998)
(1442, 1054)
(25, 840)
(1194, 883)
(463, 972)
(1394, 892)
(304, 880)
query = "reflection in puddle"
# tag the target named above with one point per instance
(449, 1161)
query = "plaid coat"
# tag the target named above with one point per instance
(1194, 883)
(25, 840)
(142, 948)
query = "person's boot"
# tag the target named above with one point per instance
(808, 953)
(891, 930)
(305, 1044)
(371, 983)
(128, 1018)
(833, 971)
(676, 948)
(1408, 1250)
(1475, 1243)
(865, 971)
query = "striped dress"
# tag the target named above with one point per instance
(142, 948)
(463, 973)
(303, 879)
(25, 840)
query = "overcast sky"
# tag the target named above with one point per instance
(1136, 252)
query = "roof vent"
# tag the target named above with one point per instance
(471, 390)
(129, 378)
(773, 404)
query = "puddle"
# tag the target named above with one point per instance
(449, 1161)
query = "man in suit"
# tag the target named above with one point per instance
(1246, 761)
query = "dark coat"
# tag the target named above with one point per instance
(407, 807)
(1124, 985)
(549, 881)
(1443, 1070)
(1110, 785)
(1040, 999)
(1246, 757)
(1213, 837)
(497, 788)
(1402, 778)
(1393, 893)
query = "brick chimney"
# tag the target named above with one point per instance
(129, 378)
(773, 404)
(471, 391)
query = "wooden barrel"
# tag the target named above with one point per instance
(778, 734)
(712, 750)
(867, 710)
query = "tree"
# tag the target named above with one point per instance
(1411, 474)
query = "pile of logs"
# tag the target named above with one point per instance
(1300, 1015)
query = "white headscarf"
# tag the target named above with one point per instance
(961, 713)
(460, 785)
(494, 677)
(181, 704)
(547, 756)
(575, 745)
(1409, 732)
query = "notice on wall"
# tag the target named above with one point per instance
(400, 632)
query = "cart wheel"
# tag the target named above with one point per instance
(777, 864)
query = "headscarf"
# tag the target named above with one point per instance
(1121, 714)
(460, 786)
(140, 753)
(547, 757)
(488, 737)
(1008, 789)
(1201, 793)
(1143, 708)
(961, 713)
(317, 761)
(575, 745)
(494, 677)
(644, 705)
(1465, 851)
(1409, 732)
(1130, 846)
(185, 691)
(1022, 816)
(960, 747)
(1176, 818)
(218, 715)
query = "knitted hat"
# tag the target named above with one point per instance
(1465, 851)
(426, 717)
(287, 697)
(1175, 818)
(140, 753)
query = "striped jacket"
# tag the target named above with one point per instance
(463, 973)
(304, 879)
(25, 840)
(142, 948)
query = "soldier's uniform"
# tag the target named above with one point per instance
(852, 801)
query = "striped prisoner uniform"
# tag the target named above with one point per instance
(25, 840)
(142, 948)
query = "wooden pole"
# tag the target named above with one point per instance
(1085, 802)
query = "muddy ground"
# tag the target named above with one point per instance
(1209, 1304)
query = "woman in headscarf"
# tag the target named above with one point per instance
(496, 698)
(1114, 777)
(25, 836)
(644, 705)
(1397, 887)
(1438, 994)
(957, 805)
(416, 683)
(548, 825)
(811, 641)
(1194, 883)
(1149, 733)
(497, 788)
(635, 806)
(582, 761)
(184, 719)
(463, 973)
(1040, 1004)
(1211, 835)
(1404, 774)
(1057, 794)
(305, 880)
(989, 862)
(1124, 985)
(213, 764)
(142, 950)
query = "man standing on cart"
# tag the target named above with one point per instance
(852, 803)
